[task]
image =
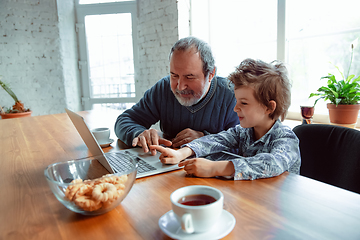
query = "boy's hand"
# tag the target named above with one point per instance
(202, 167)
(199, 167)
(168, 155)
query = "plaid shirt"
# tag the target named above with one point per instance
(274, 153)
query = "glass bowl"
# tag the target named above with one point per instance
(84, 186)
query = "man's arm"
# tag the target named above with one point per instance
(129, 125)
(140, 117)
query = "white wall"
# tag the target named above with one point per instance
(38, 50)
(69, 54)
(157, 33)
(30, 55)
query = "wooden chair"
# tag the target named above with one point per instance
(330, 154)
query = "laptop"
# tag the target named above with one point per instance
(147, 164)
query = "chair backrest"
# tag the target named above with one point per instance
(330, 154)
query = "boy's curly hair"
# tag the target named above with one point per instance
(270, 82)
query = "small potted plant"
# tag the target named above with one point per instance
(344, 96)
(17, 110)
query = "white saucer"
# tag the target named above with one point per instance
(170, 226)
(106, 144)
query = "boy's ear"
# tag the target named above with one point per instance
(272, 107)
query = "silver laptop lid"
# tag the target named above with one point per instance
(88, 138)
(137, 153)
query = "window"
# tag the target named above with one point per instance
(101, 1)
(110, 54)
(232, 30)
(106, 40)
(317, 41)
(307, 35)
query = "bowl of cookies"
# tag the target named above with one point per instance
(84, 186)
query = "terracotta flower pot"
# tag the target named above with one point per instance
(343, 114)
(15, 115)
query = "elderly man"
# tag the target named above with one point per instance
(190, 103)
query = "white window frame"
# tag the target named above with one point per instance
(83, 10)
(282, 43)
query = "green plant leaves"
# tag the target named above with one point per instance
(345, 92)
(339, 92)
(9, 91)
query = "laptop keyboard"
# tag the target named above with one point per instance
(119, 166)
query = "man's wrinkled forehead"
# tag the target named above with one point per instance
(187, 62)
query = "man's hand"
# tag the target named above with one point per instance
(186, 136)
(171, 156)
(150, 137)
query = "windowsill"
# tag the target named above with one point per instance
(293, 123)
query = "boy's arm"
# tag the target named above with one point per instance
(282, 155)
(202, 167)
(224, 168)
(171, 156)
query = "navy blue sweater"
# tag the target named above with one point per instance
(212, 114)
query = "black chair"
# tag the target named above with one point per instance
(330, 154)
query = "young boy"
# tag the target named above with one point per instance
(264, 146)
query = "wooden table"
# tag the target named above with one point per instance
(284, 207)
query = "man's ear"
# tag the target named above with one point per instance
(212, 74)
(272, 107)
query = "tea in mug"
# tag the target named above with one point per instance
(196, 200)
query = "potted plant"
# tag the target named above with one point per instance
(344, 96)
(17, 110)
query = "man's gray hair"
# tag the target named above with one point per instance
(200, 46)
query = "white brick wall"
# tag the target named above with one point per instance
(69, 54)
(30, 58)
(157, 32)
(38, 50)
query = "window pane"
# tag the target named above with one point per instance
(236, 30)
(120, 107)
(110, 54)
(318, 37)
(102, 1)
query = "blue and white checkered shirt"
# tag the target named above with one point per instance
(274, 153)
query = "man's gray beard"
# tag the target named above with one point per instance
(196, 97)
(189, 102)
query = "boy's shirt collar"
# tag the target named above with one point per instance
(267, 137)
